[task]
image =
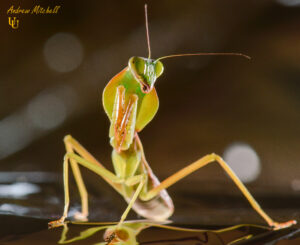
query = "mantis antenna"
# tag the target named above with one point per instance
(147, 32)
(203, 54)
(179, 55)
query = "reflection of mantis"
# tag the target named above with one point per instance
(130, 101)
(126, 234)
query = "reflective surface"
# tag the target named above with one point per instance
(24, 217)
(22, 230)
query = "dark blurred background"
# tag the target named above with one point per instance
(54, 68)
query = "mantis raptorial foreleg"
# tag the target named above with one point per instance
(203, 162)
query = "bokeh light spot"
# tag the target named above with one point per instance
(63, 52)
(46, 111)
(244, 161)
(289, 3)
(295, 184)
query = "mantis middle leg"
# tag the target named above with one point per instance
(88, 161)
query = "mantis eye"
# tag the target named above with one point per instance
(159, 68)
(137, 64)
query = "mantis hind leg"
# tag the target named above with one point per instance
(203, 162)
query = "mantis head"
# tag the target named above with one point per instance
(145, 71)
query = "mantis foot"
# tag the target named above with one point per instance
(56, 223)
(278, 226)
(80, 216)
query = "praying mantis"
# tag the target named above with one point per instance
(130, 102)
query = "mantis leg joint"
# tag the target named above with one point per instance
(215, 157)
(67, 138)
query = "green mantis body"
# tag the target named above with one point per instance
(130, 101)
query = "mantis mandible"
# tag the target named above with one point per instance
(130, 101)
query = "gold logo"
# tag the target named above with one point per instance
(13, 22)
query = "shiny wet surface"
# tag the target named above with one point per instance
(26, 208)
(25, 230)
